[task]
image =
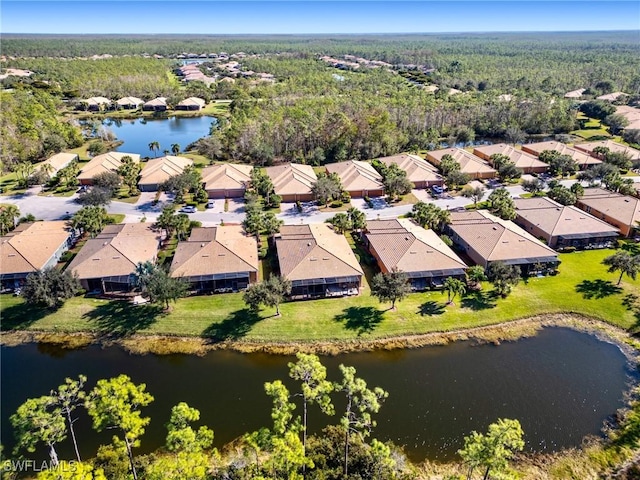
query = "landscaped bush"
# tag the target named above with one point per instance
(336, 204)
(66, 257)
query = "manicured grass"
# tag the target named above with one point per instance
(9, 183)
(334, 209)
(590, 133)
(217, 108)
(408, 199)
(117, 217)
(583, 286)
(592, 128)
(199, 161)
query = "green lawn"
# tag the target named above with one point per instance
(583, 286)
(592, 128)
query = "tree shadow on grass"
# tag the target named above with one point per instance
(632, 302)
(236, 326)
(599, 288)
(480, 300)
(21, 316)
(361, 319)
(117, 319)
(431, 308)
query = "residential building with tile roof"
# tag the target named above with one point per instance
(31, 247)
(106, 162)
(485, 239)
(58, 162)
(621, 211)
(470, 164)
(107, 262)
(524, 161)
(358, 178)
(226, 180)
(318, 261)
(584, 160)
(419, 172)
(292, 181)
(563, 226)
(217, 259)
(402, 245)
(159, 170)
(588, 147)
(191, 103)
(129, 103)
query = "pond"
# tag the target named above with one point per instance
(561, 384)
(137, 134)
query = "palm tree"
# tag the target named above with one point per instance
(47, 169)
(357, 218)
(154, 147)
(175, 148)
(475, 275)
(341, 222)
(167, 220)
(454, 287)
(8, 216)
(182, 224)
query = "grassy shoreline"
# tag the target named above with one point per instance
(141, 344)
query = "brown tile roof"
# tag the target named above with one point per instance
(291, 178)
(314, 251)
(226, 176)
(630, 113)
(581, 158)
(157, 102)
(417, 168)
(107, 162)
(497, 240)
(116, 251)
(522, 159)
(469, 163)
(612, 146)
(157, 170)
(356, 175)
(129, 101)
(555, 219)
(404, 245)
(59, 161)
(97, 101)
(623, 208)
(215, 250)
(31, 245)
(192, 101)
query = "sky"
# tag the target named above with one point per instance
(314, 17)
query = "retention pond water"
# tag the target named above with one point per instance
(561, 384)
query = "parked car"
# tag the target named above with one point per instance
(211, 204)
(188, 209)
(437, 190)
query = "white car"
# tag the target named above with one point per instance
(188, 209)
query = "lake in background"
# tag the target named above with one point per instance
(137, 134)
(561, 384)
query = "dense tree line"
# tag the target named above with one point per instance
(31, 128)
(110, 77)
(551, 62)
